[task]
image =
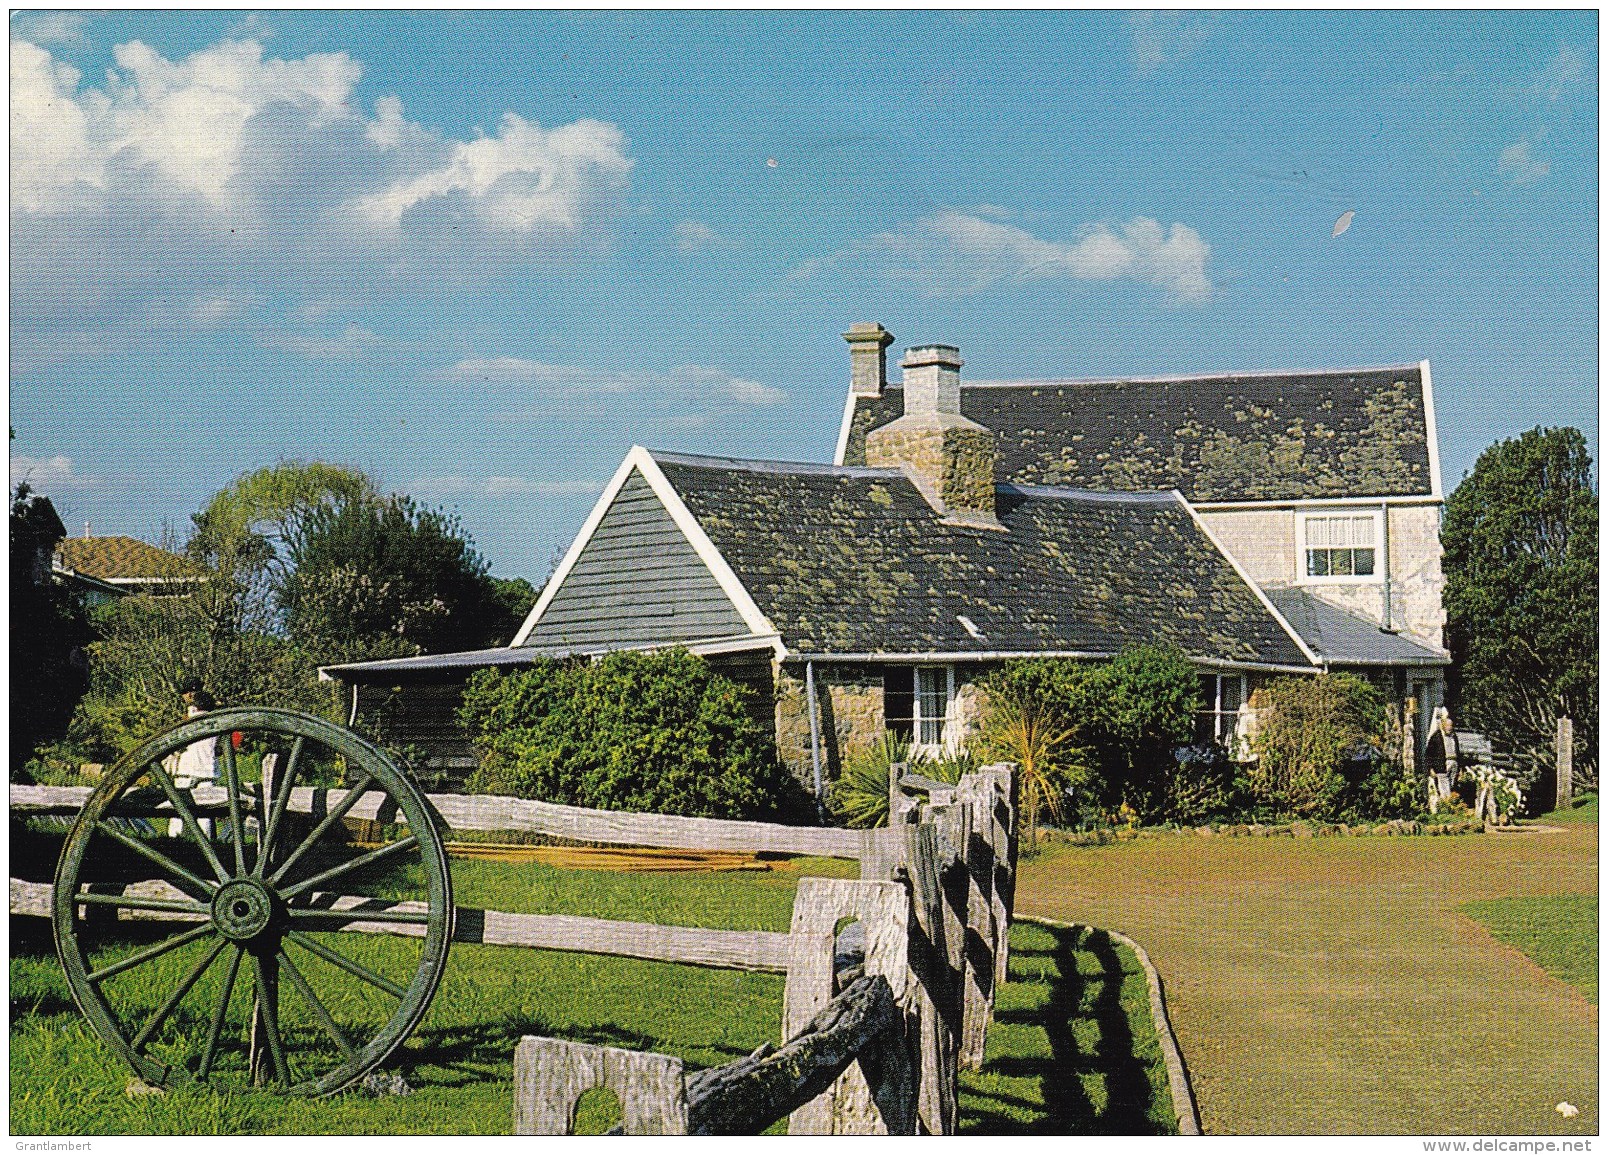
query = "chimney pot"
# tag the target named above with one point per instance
(868, 358)
(932, 380)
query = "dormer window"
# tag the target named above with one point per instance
(1339, 546)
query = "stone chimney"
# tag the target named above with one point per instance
(868, 358)
(950, 459)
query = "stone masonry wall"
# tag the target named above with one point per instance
(954, 457)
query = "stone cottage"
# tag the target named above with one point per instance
(1264, 524)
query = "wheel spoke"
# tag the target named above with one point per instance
(282, 788)
(187, 816)
(135, 902)
(357, 969)
(219, 1013)
(368, 859)
(319, 1010)
(139, 846)
(231, 781)
(166, 1009)
(150, 953)
(268, 1012)
(352, 797)
(419, 917)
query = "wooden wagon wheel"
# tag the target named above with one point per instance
(271, 894)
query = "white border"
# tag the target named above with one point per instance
(640, 460)
(843, 433)
(1267, 603)
(1322, 502)
(1429, 431)
(1381, 544)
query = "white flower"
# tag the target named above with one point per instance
(1567, 1110)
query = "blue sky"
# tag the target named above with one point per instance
(481, 255)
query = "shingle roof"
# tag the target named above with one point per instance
(122, 559)
(854, 561)
(1344, 639)
(1246, 437)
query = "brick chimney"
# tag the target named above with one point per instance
(868, 358)
(951, 459)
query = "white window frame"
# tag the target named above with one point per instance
(946, 721)
(1376, 516)
(1225, 723)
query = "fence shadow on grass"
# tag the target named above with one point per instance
(1060, 1055)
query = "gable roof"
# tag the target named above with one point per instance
(123, 560)
(853, 562)
(1344, 639)
(1221, 438)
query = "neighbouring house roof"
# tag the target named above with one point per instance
(1344, 639)
(1219, 438)
(123, 561)
(854, 561)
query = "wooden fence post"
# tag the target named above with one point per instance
(1002, 838)
(876, 1101)
(550, 1076)
(1565, 762)
(935, 955)
(981, 933)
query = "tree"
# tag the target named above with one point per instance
(1520, 539)
(48, 630)
(374, 577)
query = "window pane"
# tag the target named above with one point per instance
(1231, 693)
(898, 699)
(1362, 531)
(1318, 563)
(1364, 563)
(1340, 563)
(932, 704)
(1317, 533)
(1339, 532)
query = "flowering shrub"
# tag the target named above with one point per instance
(1497, 791)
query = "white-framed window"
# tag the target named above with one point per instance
(1221, 696)
(919, 703)
(1340, 546)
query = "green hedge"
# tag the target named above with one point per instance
(640, 732)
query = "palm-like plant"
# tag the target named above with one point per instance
(1038, 739)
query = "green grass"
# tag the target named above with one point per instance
(1581, 809)
(1062, 1055)
(1558, 933)
(1072, 1050)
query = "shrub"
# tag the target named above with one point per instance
(1318, 737)
(1097, 735)
(641, 732)
(859, 797)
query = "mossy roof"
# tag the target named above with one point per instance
(854, 561)
(124, 559)
(1248, 437)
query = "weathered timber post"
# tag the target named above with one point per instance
(1002, 838)
(875, 1096)
(901, 806)
(935, 957)
(550, 1076)
(1565, 762)
(981, 933)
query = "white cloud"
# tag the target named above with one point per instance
(953, 253)
(44, 474)
(1161, 38)
(458, 485)
(1563, 74)
(684, 381)
(694, 236)
(250, 137)
(1516, 163)
(353, 341)
(524, 179)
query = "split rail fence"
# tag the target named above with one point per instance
(890, 979)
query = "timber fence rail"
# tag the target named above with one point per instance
(890, 979)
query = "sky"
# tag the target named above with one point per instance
(481, 255)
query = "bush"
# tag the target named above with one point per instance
(639, 732)
(1319, 737)
(1097, 735)
(859, 797)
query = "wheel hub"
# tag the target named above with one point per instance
(243, 909)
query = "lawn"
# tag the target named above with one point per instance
(1339, 986)
(1072, 1050)
(1558, 933)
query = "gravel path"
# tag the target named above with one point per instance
(1330, 986)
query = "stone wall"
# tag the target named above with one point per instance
(1263, 542)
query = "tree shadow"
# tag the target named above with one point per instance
(1067, 1002)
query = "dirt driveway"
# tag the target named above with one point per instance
(1330, 986)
